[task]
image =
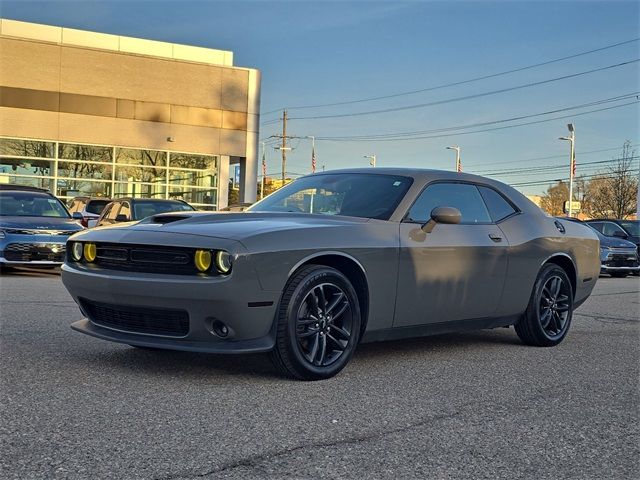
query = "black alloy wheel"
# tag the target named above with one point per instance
(318, 324)
(546, 321)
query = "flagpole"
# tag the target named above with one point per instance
(313, 153)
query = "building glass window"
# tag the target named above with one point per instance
(27, 148)
(93, 171)
(26, 166)
(70, 169)
(90, 153)
(133, 156)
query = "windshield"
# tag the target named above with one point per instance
(31, 204)
(143, 209)
(632, 227)
(349, 194)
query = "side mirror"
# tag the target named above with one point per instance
(76, 216)
(121, 218)
(446, 215)
(620, 234)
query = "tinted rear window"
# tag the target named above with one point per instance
(498, 207)
(96, 206)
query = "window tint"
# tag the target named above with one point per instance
(498, 207)
(113, 212)
(96, 206)
(610, 228)
(464, 197)
(125, 210)
(596, 225)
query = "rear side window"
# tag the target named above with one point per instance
(464, 197)
(498, 207)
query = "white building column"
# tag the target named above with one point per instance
(223, 181)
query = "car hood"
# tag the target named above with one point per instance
(235, 226)
(40, 223)
(613, 242)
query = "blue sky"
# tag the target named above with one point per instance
(331, 51)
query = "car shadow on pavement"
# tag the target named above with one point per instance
(29, 272)
(239, 367)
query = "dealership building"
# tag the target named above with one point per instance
(85, 113)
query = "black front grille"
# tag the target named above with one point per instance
(145, 258)
(29, 252)
(32, 231)
(618, 260)
(142, 320)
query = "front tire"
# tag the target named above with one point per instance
(318, 324)
(546, 321)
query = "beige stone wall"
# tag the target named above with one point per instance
(110, 97)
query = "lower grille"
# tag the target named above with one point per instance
(28, 252)
(145, 321)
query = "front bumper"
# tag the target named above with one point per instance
(32, 252)
(237, 301)
(619, 261)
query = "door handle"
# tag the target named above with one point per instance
(495, 238)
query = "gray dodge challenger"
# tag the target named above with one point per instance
(332, 260)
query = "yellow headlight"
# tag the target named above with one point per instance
(90, 252)
(202, 259)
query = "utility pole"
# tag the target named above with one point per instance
(458, 163)
(284, 144)
(372, 159)
(572, 164)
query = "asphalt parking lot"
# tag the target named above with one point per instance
(474, 405)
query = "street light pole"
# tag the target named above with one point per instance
(457, 150)
(372, 160)
(572, 163)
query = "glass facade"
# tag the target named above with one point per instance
(69, 170)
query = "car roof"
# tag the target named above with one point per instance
(129, 199)
(23, 188)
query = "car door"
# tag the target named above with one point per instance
(455, 272)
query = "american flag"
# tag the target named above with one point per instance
(573, 165)
(264, 165)
(313, 160)
(459, 166)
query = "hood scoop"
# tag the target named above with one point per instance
(164, 219)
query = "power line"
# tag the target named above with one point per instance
(547, 167)
(459, 99)
(461, 82)
(491, 129)
(473, 125)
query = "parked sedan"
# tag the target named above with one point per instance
(34, 227)
(331, 260)
(618, 257)
(624, 229)
(132, 209)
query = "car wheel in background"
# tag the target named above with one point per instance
(546, 321)
(317, 325)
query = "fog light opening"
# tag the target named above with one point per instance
(220, 329)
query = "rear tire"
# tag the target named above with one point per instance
(546, 321)
(317, 325)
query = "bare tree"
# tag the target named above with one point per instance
(614, 193)
(553, 200)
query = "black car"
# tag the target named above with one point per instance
(131, 209)
(34, 227)
(618, 257)
(625, 229)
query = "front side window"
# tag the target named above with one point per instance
(30, 204)
(349, 194)
(610, 229)
(499, 208)
(464, 197)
